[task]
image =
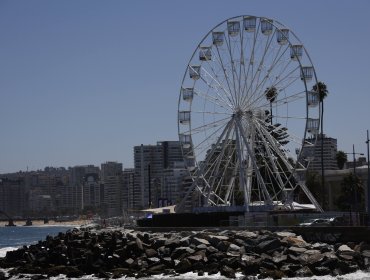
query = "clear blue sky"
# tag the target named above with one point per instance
(82, 82)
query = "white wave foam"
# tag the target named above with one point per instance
(6, 249)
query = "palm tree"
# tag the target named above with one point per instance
(271, 93)
(321, 89)
(341, 159)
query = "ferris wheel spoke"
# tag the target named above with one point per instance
(214, 100)
(241, 67)
(233, 71)
(215, 166)
(271, 146)
(291, 98)
(228, 100)
(259, 88)
(253, 161)
(206, 126)
(282, 101)
(203, 146)
(251, 62)
(212, 113)
(211, 153)
(226, 76)
(230, 185)
(218, 94)
(287, 76)
(261, 63)
(276, 61)
(239, 163)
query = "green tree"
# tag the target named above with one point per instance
(352, 194)
(313, 183)
(341, 158)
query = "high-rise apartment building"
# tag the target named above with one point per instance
(152, 163)
(13, 197)
(110, 168)
(128, 179)
(77, 173)
(91, 191)
(312, 152)
(112, 181)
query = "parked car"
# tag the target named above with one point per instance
(339, 221)
(316, 223)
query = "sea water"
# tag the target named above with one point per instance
(12, 238)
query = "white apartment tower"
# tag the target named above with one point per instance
(128, 179)
(111, 177)
(152, 165)
(313, 153)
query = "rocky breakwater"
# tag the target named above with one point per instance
(117, 253)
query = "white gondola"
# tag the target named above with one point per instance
(218, 38)
(313, 98)
(249, 23)
(205, 53)
(233, 28)
(266, 26)
(185, 140)
(296, 52)
(282, 36)
(187, 94)
(194, 72)
(184, 117)
(190, 162)
(313, 126)
(307, 73)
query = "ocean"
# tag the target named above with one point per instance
(14, 237)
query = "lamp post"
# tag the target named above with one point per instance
(368, 179)
(354, 172)
(149, 188)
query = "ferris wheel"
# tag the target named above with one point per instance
(246, 109)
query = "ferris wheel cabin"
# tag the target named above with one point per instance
(266, 26)
(187, 94)
(184, 117)
(205, 53)
(218, 38)
(296, 52)
(249, 23)
(233, 28)
(307, 73)
(313, 126)
(194, 72)
(185, 140)
(282, 36)
(313, 98)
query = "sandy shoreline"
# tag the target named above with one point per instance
(50, 223)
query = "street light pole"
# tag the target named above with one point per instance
(354, 159)
(368, 180)
(354, 177)
(354, 173)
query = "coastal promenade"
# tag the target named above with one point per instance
(50, 223)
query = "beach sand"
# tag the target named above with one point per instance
(50, 223)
